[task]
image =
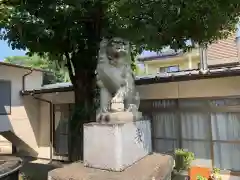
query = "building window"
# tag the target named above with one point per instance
(5, 97)
(62, 114)
(169, 69)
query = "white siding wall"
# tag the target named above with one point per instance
(23, 119)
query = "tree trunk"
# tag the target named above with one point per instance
(84, 81)
(84, 112)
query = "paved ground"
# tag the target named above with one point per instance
(37, 169)
(154, 165)
(34, 169)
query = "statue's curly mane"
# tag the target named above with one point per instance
(103, 52)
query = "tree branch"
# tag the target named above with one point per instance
(70, 69)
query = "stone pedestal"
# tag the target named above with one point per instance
(116, 146)
(151, 167)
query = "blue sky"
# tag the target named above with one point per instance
(6, 51)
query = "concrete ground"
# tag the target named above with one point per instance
(34, 169)
(37, 169)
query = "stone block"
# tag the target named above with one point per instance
(116, 146)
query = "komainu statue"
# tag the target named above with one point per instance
(116, 80)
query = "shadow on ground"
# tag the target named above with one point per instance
(37, 169)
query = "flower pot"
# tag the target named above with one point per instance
(179, 162)
(194, 172)
(180, 175)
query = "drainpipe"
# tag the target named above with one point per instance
(238, 48)
(203, 60)
(23, 80)
(24, 84)
(51, 123)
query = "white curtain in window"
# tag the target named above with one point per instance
(165, 125)
(226, 127)
(63, 145)
(196, 132)
(201, 151)
(164, 146)
(165, 131)
(195, 125)
(62, 116)
(226, 156)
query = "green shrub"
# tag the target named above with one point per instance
(215, 174)
(201, 178)
(216, 170)
(183, 159)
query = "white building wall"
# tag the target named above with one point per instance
(23, 119)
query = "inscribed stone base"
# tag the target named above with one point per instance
(152, 167)
(116, 146)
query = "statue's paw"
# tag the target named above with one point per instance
(117, 99)
(101, 114)
(104, 110)
(103, 118)
(132, 108)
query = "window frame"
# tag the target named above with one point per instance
(10, 97)
(168, 69)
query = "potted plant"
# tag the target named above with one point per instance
(183, 159)
(214, 175)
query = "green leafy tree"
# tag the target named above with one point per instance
(57, 73)
(70, 31)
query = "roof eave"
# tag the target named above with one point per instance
(159, 78)
(187, 76)
(43, 91)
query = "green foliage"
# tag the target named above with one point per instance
(215, 175)
(58, 26)
(183, 159)
(216, 170)
(199, 177)
(56, 73)
(34, 61)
